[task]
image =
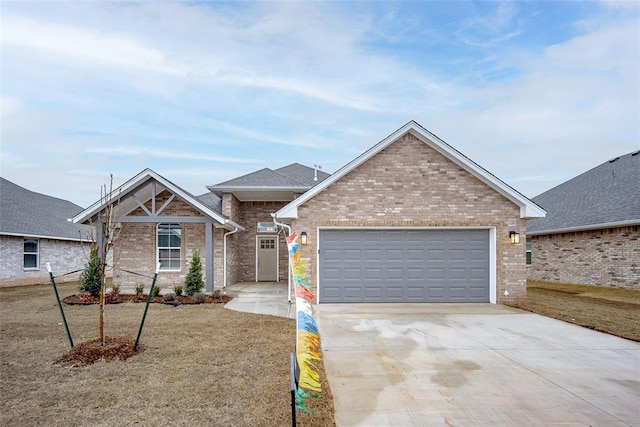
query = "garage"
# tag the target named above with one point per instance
(403, 265)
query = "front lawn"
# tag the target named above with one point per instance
(612, 310)
(202, 365)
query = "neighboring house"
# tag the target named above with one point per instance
(34, 230)
(591, 234)
(410, 220)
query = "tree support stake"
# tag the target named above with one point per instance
(55, 291)
(146, 307)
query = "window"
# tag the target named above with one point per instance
(267, 243)
(31, 247)
(169, 246)
(529, 246)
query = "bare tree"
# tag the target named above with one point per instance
(107, 231)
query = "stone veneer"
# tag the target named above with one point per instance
(409, 184)
(607, 257)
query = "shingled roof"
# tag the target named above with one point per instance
(294, 175)
(605, 196)
(27, 213)
(283, 184)
(303, 174)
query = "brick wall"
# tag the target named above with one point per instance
(243, 248)
(409, 184)
(64, 256)
(135, 249)
(609, 257)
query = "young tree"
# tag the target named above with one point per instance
(107, 231)
(193, 283)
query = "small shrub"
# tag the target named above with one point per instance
(139, 288)
(178, 290)
(193, 283)
(115, 288)
(91, 277)
(198, 297)
(169, 297)
(156, 291)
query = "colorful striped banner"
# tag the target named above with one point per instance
(307, 338)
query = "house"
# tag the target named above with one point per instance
(162, 225)
(409, 220)
(591, 234)
(33, 231)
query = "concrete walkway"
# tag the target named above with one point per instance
(474, 365)
(261, 298)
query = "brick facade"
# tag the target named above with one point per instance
(135, 249)
(409, 184)
(244, 258)
(608, 257)
(64, 256)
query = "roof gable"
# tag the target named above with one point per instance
(27, 213)
(282, 184)
(528, 209)
(605, 196)
(140, 187)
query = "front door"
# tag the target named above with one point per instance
(267, 259)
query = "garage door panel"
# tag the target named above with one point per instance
(332, 274)
(352, 274)
(353, 292)
(434, 274)
(394, 273)
(374, 255)
(332, 255)
(404, 265)
(436, 254)
(396, 255)
(352, 254)
(415, 255)
(374, 293)
(394, 292)
(373, 274)
(415, 293)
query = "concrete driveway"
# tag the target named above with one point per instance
(474, 365)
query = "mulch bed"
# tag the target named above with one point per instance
(91, 352)
(84, 299)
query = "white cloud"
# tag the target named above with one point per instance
(84, 45)
(146, 152)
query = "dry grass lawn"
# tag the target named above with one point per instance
(203, 365)
(611, 310)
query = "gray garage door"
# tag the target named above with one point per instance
(404, 266)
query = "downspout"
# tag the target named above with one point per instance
(275, 221)
(224, 255)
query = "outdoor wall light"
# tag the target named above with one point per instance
(303, 237)
(514, 237)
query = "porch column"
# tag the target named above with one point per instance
(208, 253)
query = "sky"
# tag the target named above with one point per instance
(536, 92)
